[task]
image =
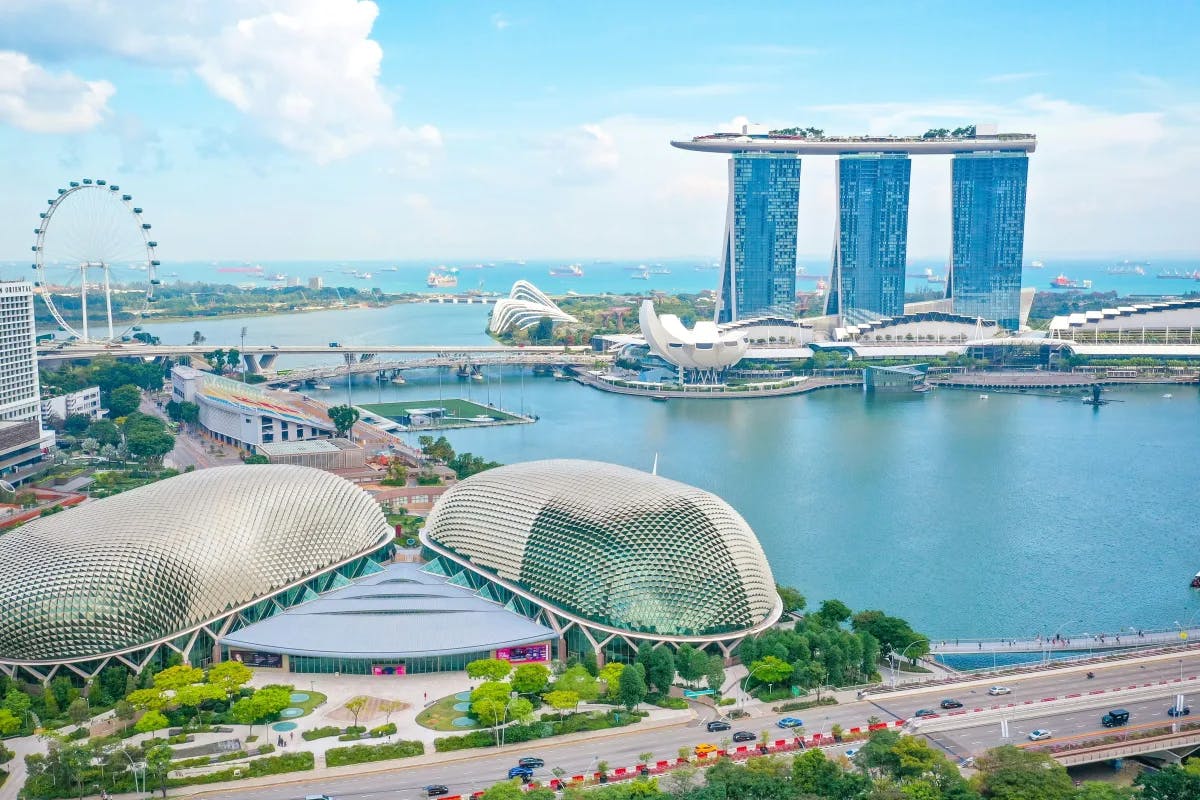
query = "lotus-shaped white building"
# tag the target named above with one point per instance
(705, 348)
(525, 307)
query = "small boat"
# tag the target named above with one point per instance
(559, 375)
(325, 387)
(399, 380)
(983, 397)
(569, 271)
(389, 269)
(441, 281)
(922, 388)
(659, 398)
(1167, 396)
(1195, 584)
(477, 376)
(642, 276)
(365, 276)
(279, 276)
(660, 271)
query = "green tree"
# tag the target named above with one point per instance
(834, 612)
(76, 424)
(714, 676)
(793, 601)
(1009, 773)
(1170, 783)
(79, 711)
(578, 680)
(18, 704)
(272, 699)
(9, 723)
(492, 669)
(124, 712)
(562, 701)
(530, 678)
(245, 712)
(610, 676)
(177, 677)
(147, 699)
(147, 437)
(150, 722)
(632, 686)
(216, 358)
(660, 669)
(355, 706)
(506, 790)
(124, 400)
(158, 763)
(771, 670)
(104, 431)
(343, 418)
(74, 760)
(193, 695)
(257, 458)
(1095, 790)
(691, 663)
(229, 676)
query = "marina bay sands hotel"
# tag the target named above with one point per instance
(988, 182)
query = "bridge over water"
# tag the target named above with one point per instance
(1060, 643)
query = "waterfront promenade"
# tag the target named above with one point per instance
(798, 385)
(1061, 642)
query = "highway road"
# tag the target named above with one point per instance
(1062, 724)
(488, 767)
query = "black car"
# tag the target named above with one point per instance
(531, 762)
(950, 702)
(718, 725)
(744, 736)
(1179, 712)
(436, 789)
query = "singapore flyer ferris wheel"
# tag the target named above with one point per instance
(93, 248)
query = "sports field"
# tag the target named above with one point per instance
(458, 411)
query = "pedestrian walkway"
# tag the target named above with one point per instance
(1058, 641)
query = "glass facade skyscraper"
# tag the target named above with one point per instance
(871, 241)
(758, 274)
(988, 235)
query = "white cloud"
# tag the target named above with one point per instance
(1013, 77)
(35, 99)
(499, 21)
(305, 72)
(690, 90)
(582, 155)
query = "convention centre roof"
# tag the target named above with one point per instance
(150, 563)
(402, 612)
(609, 545)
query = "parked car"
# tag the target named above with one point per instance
(996, 691)
(524, 773)
(790, 722)
(531, 761)
(317, 797)
(1179, 712)
(1039, 734)
(718, 725)
(744, 736)
(925, 712)
(436, 789)
(950, 702)
(705, 749)
(1114, 718)
(852, 752)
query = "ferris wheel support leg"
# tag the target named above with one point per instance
(108, 302)
(83, 298)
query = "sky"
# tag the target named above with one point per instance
(347, 129)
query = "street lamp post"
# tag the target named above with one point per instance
(745, 683)
(902, 653)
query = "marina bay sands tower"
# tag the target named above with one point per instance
(758, 269)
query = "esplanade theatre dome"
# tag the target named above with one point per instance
(610, 547)
(145, 567)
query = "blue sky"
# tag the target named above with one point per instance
(341, 129)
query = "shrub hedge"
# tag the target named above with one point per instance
(362, 753)
(321, 733)
(549, 726)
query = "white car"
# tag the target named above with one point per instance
(996, 691)
(851, 752)
(1038, 735)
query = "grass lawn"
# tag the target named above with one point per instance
(455, 408)
(314, 699)
(441, 714)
